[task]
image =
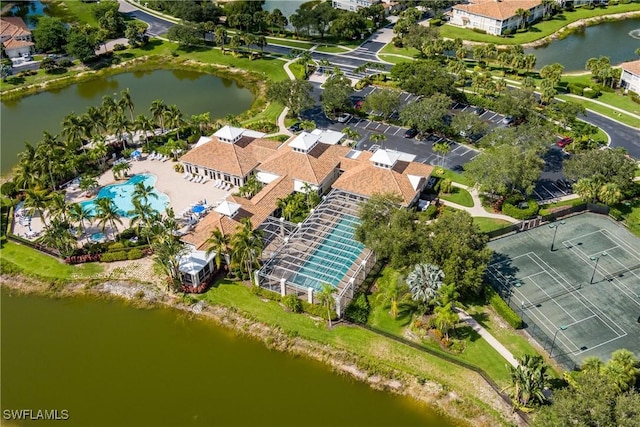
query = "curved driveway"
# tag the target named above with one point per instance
(620, 134)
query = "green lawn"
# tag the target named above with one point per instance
(439, 172)
(545, 209)
(486, 224)
(405, 51)
(366, 344)
(459, 196)
(28, 259)
(604, 110)
(291, 43)
(615, 99)
(74, 11)
(539, 30)
(270, 114)
(331, 49)
(298, 70)
(477, 351)
(394, 59)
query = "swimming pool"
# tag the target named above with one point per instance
(332, 258)
(122, 195)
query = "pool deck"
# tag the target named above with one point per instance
(182, 195)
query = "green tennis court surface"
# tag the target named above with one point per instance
(581, 299)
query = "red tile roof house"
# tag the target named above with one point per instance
(495, 16)
(16, 37)
(630, 77)
(308, 162)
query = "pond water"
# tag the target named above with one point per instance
(109, 364)
(617, 40)
(193, 92)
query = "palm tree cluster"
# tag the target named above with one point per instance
(241, 251)
(296, 206)
(528, 381)
(250, 188)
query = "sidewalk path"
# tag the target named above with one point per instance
(465, 317)
(477, 209)
(282, 127)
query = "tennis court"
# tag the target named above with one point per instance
(575, 283)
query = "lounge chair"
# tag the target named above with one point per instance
(187, 175)
(152, 156)
(204, 179)
(165, 158)
(227, 187)
(193, 178)
(198, 179)
(217, 184)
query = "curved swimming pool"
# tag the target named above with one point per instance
(122, 195)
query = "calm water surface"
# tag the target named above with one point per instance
(617, 40)
(109, 364)
(193, 92)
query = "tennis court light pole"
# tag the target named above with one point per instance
(561, 328)
(595, 267)
(555, 227)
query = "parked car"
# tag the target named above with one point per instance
(411, 133)
(423, 205)
(344, 118)
(480, 111)
(358, 104)
(564, 142)
(507, 120)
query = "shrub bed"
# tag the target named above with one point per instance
(508, 208)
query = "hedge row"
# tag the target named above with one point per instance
(121, 255)
(517, 213)
(502, 308)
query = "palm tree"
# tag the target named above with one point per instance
(94, 121)
(157, 110)
(391, 293)
(119, 124)
(442, 149)
(523, 14)
(586, 188)
(424, 282)
(247, 246)
(58, 235)
(235, 43)
(142, 213)
(167, 251)
(143, 192)
(325, 296)
(221, 37)
(218, 242)
(118, 168)
(107, 213)
(37, 201)
(377, 138)
(444, 319)
(99, 152)
(248, 40)
(528, 379)
(79, 214)
(447, 294)
(109, 106)
(547, 5)
(623, 370)
(48, 156)
(173, 118)
(610, 194)
(261, 42)
(73, 129)
(58, 206)
(126, 103)
(592, 365)
(351, 134)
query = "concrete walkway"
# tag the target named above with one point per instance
(281, 125)
(477, 209)
(466, 317)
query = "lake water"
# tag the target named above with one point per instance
(109, 364)
(287, 7)
(193, 92)
(617, 40)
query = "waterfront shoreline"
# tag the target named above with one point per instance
(436, 396)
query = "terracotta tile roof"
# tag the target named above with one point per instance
(497, 9)
(312, 167)
(203, 229)
(15, 44)
(367, 179)
(633, 67)
(236, 159)
(257, 209)
(13, 26)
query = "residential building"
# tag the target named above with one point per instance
(16, 37)
(630, 77)
(311, 161)
(353, 5)
(495, 16)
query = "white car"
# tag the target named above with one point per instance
(423, 205)
(344, 118)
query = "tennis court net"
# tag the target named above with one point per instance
(551, 296)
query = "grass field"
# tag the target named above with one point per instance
(486, 224)
(604, 110)
(539, 30)
(439, 172)
(30, 260)
(291, 43)
(477, 351)
(331, 49)
(458, 195)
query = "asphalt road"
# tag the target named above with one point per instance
(620, 134)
